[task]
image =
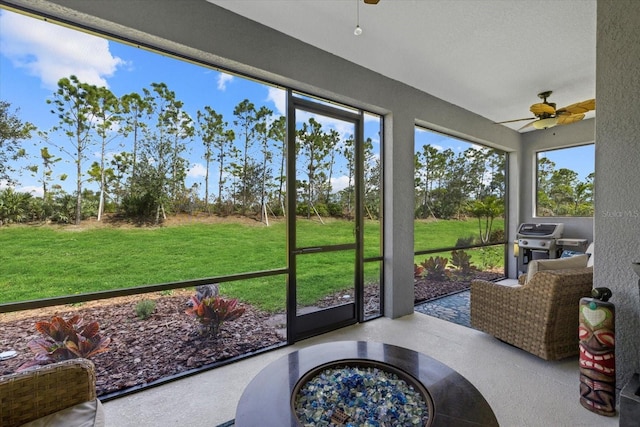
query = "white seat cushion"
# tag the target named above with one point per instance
(578, 261)
(86, 414)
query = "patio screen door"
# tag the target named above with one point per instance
(325, 260)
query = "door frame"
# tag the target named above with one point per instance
(321, 321)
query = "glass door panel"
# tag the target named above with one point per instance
(324, 280)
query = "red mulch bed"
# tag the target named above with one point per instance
(142, 351)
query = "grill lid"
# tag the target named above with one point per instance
(548, 230)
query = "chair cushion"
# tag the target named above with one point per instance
(86, 414)
(589, 252)
(578, 261)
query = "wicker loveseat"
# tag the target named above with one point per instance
(540, 317)
(60, 394)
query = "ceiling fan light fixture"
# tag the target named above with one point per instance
(545, 123)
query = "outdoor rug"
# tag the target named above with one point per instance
(452, 308)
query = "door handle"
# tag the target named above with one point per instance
(310, 250)
(307, 250)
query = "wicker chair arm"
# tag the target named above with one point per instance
(28, 395)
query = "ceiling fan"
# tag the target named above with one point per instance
(547, 116)
(371, 1)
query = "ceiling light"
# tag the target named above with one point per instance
(358, 30)
(545, 123)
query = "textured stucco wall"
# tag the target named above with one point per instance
(617, 221)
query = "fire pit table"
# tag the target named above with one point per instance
(443, 397)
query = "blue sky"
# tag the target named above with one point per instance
(35, 54)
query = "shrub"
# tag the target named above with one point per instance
(465, 241)
(138, 206)
(334, 209)
(491, 257)
(64, 340)
(145, 308)
(213, 312)
(497, 236)
(436, 268)
(462, 262)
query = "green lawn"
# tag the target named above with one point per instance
(434, 234)
(47, 261)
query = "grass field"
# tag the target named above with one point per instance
(47, 261)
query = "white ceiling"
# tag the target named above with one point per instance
(491, 57)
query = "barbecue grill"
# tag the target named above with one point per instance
(537, 241)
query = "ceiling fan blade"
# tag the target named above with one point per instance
(579, 107)
(527, 125)
(515, 120)
(371, 1)
(542, 108)
(567, 119)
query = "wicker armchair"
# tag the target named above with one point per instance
(29, 395)
(540, 317)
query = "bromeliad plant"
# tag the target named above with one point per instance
(464, 268)
(435, 268)
(418, 271)
(66, 339)
(212, 312)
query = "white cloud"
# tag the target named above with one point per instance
(279, 99)
(197, 170)
(340, 183)
(36, 191)
(50, 52)
(223, 79)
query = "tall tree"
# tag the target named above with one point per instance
(163, 149)
(46, 171)
(372, 180)
(105, 177)
(545, 169)
(72, 102)
(331, 142)
(426, 172)
(311, 148)
(278, 133)
(120, 165)
(153, 169)
(246, 118)
(12, 132)
(348, 153)
(487, 208)
(562, 190)
(134, 110)
(107, 113)
(261, 131)
(211, 129)
(224, 147)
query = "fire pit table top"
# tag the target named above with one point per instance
(267, 399)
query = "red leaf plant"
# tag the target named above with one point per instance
(65, 339)
(213, 312)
